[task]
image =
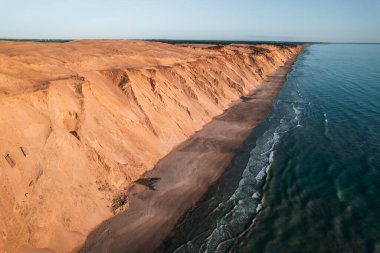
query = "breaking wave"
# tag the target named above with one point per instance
(239, 210)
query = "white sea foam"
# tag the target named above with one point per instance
(271, 157)
(256, 195)
(258, 208)
(261, 175)
(297, 111)
(246, 201)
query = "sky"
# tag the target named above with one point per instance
(288, 20)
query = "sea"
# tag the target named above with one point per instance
(308, 177)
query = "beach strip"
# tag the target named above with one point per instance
(183, 176)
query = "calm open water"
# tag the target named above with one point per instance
(308, 179)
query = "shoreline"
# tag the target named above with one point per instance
(186, 174)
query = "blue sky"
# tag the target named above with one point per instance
(300, 20)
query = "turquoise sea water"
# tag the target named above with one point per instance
(308, 178)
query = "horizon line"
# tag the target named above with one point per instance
(206, 41)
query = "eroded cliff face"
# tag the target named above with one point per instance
(82, 120)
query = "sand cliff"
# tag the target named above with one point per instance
(82, 120)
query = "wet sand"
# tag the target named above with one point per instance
(185, 175)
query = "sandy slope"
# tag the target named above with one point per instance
(81, 120)
(185, 175)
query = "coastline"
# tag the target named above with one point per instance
(185, 175)
(84, 120)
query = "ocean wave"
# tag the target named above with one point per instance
(241, 208)
(246, 200)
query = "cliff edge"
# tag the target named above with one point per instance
(84, 119)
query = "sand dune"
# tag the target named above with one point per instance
(80, 121)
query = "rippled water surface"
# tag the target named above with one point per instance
(308, 179)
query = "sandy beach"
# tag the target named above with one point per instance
(185, 175)
(82, 120)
